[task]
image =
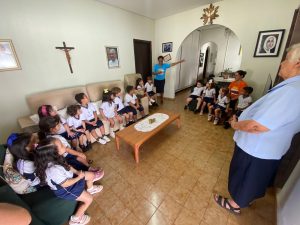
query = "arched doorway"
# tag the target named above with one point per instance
(210, 49)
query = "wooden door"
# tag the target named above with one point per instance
(143, 57)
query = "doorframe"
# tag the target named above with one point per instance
(145, 42)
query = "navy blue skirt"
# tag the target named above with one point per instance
(72, 161)
(249, 177)
(72, 192)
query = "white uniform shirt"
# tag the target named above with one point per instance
(108, 109)
(62, 128)
(74, 122)
(244, 102)
(149, 87)
(119, 104)
(61, 138)
(197, 91)
(28, 167)
(88, 112)
(128, 98)
(209, 93)
(57, 174)
(223, 101)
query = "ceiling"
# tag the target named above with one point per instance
(156, 9)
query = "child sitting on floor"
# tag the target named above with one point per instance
(48, 110)
(21, 146)
(195, 93)
(121, 109)
(132, 103)
(65, 182)
(92, 121)
(221, 106)
(149, 87)
(209, 96)
(108, 111)
(244, 100)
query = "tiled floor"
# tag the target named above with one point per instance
(173, 184)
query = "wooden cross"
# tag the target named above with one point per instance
(66, 50)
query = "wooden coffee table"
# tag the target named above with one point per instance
(136, 138)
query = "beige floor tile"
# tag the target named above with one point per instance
(170, 208)
(186, 218)
(144, 211)
(117, 213)
(159, 219)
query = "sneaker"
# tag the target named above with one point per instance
(152, 100)
(209, 117)
(112, 134)
(102, 141)
(185, 107)
(150, 104)
(98, 175)
(95, 189)
(121, 127)
(106, 138)
(84, 219)
(201, 113)
(216, 121)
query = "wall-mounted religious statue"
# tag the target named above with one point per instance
(210, 14)
(66, 50)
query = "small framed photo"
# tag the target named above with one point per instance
(112, 54)
(268, 43)
(167, 58)
(8, 56)
(167, 47)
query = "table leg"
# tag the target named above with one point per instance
(178, 122)
(117, 142)
(136, 153)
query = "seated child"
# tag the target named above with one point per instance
(209, 96)
(150, 92)
(221, 106)
(244, 100)
(21, 146)
(49, 127)
(108, 111)
(66, 182)
(140, 88)
(195, 93)
(132, 103)
(77, 124)
(121, 109)
(92, 121)
(48, 110)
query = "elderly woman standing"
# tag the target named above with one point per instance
(263, 135)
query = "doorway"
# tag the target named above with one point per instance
(143, 57)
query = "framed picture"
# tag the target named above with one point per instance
(201, 59)
(268, 43)
(8, 56)
(112, 54)
(167, 47)
(167, 58)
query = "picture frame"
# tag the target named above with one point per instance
(167, 47)
(112, 55)
(268, 43)
(167, 58)
(8, 56)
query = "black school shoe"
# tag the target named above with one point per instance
(88, 145)
(226, 125)
(185, 107)
(197, 111)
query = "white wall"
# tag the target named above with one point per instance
(37, 26)
(245, 18)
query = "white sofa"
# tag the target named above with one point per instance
(61, 98)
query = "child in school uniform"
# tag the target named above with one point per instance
(21, 146)
(108, 110)
(140, 88)
(65, 131)
(92, 121)
(121, 109)
(65, 182)
(132, 103)
(195, 93)
(209, 96)
(49, 127)
(149, 87)
(221, 106)
(244, 100)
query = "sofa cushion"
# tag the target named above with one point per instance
(48, 208)
(95, 90)
(130, 79)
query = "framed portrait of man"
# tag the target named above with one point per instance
(8, 56)
(112, 54)
(268, 43)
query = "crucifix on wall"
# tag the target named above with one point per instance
(66, 50)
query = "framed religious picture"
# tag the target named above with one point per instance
(268, 43)
(8, 56)
(112, 54)
(201, 59)
(167, 47)
(167, 58)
